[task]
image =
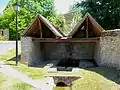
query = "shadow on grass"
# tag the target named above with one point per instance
(8, 62)
(107, 72)
(14, 58)
(11, 64)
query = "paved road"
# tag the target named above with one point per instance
(5, 45)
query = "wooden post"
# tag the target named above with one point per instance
(40, 29)
(86, 27)
(42, 45)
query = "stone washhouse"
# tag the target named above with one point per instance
(43, 44)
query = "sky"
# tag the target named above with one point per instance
(3, 4)
(62, 6)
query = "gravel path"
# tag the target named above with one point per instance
(42, 84)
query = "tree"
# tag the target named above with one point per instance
(28, 10)
(106, 12)
(76, 13)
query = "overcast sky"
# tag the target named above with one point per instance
(62, 6)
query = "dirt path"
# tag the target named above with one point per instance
(43, 84)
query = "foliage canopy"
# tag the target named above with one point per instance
(106, 12)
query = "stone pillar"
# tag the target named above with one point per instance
(25, 48)
(30, 51)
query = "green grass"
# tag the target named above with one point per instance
(101, 78)
(8, 57)
(10, 83)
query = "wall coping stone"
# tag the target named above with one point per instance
(115, 32)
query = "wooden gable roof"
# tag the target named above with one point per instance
(89, 24)
(41, 27)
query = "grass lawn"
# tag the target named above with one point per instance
(100, 78)
(9, 83)
(9, 58)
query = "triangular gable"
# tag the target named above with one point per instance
(51, 27)
(92, 26)
(31, 28)
(35, 28)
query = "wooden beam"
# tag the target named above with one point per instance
(86, 27)
(51, 40)
(40, 28)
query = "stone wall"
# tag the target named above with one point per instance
(25, 48)
(110, 49)
(57, 51)
(30, 51)
(54, 51)
(4, 34)
(83, 50)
